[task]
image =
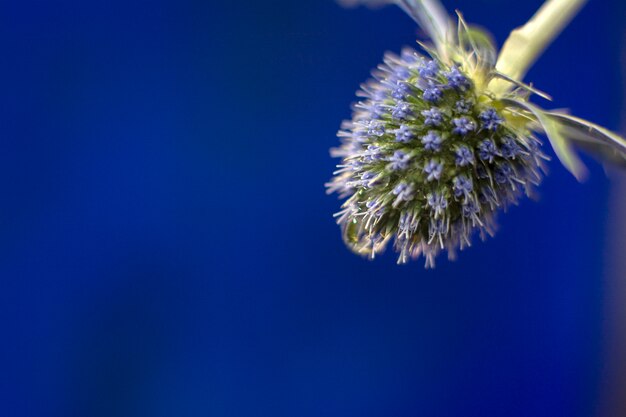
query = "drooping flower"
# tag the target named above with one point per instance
(440, 143)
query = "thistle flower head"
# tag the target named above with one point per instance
(429, 168)
(441, 142)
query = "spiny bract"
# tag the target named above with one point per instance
(428, 160)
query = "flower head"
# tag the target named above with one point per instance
(428, 182)
(440, 144)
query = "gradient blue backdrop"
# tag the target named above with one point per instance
(167, 248)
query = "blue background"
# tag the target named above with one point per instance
(167, 247)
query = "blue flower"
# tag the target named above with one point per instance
(404, 191)
(399, 161)
(463, 125)
(401, 91)
(432, 117)
(463, 106)
(432, 194)
(464, 156)
(503, 173)
(510, 149)
(485, 162)
(404, 134)
(456, 79)
(433, 170)
(487, 150)
(428, 69)
(437, 201)
(432, 141)
(432, 93)
(401, 111)
(490, 119)
(462, 185)
(376, 128)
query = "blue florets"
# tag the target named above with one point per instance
(432, 141)
(462, 185)
(376, 128)
(401, 91)
(373, 153)
(404, 134)
(433, 170)
(428, 69)
(432, 94)
(510, 148)
(456, 79)
(426, 161)
(490, 119)
(487, 150)
(503, 173)
(401, 111)
(464, 156)
(463, 126)
(404, 192)
(432, 117)
(438, 202)
(399, 161)
(463, 106)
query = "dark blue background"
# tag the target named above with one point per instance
(167, 247)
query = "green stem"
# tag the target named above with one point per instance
(527, 43)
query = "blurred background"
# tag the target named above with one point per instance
(167, 247)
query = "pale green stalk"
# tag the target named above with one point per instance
(527, 43)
